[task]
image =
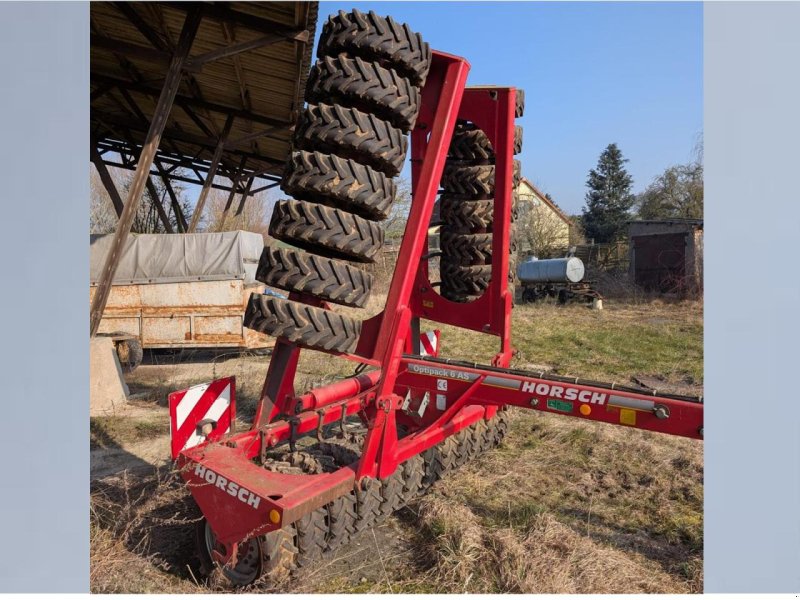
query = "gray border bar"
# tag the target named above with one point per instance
(752, 447)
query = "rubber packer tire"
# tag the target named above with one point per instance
(366, 86)
(351, 133)
(376, 38)
(519, 108)
(339, 183)
(464, 215)
(464, 283)
(474, 181)
(325, 230)
(326, 278)
(312, 533)
(465, 248)
(472, 145)
(304, 325)
(341, 521)
(368, 504)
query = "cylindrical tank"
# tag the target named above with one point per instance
(551, 270)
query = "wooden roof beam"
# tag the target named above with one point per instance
(192, 102)
(299, 35)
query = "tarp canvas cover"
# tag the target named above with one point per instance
(154, 258)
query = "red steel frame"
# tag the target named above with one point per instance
(241, 499)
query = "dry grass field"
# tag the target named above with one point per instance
(560, 507)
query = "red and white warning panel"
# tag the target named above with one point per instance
(202, 412)
(429, 343)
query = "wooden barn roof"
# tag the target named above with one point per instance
(248, 65)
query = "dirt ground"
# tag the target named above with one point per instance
(559, 507)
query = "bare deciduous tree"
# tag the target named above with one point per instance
(255, 215)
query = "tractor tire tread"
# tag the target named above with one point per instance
(325, 230)
(326, 278)
(379, 39)
(304, 325)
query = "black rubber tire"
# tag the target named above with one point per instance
(311, 536)
(465, 248)
(464, 283)
(474, 181)
(501, 426)
(463, 215)
(517, 139)
(379, 39)
(341, 521)
(439, 460)
(482, 436)
(368, 504)
(129, 352)
(391, 493)
(470, 144)
(413, 475)
(462, 448)
(326, 231)
(326, 278)
(276, 553)
(351, 133)
(340, 183)
(519, 103)
(366, 86)
(302, 324)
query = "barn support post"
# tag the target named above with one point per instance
(245, 194)
(212, 171)
(162, 214)
(140, 177)
(180, 218)
(105, 177)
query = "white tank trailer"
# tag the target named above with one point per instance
(551, 270)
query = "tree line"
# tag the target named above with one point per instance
(677, 193)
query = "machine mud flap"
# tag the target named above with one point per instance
(201, 413)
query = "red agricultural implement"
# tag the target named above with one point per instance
(266, 509)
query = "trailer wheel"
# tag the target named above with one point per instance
(366, 86)
(326, 231)
(129, 352)
(377, 38)
(272, 554)
(350, 133)
(325, 278)
(339, 183)
(302, 324)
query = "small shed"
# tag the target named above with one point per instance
(666, 256)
